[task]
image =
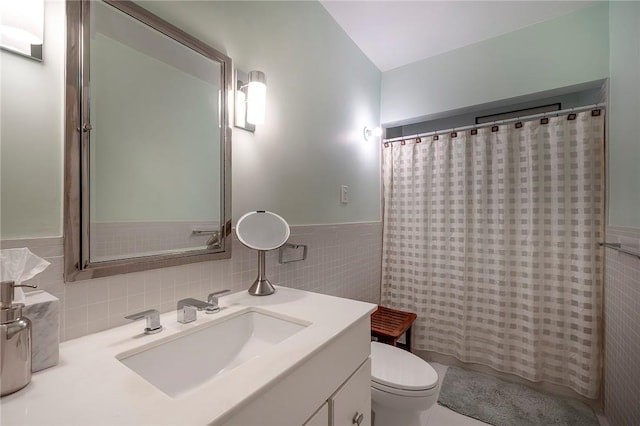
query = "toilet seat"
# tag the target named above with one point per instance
(400, 372)
(403, 392)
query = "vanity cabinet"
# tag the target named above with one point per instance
(320, 418)
(350, 405)
(330, 388)
(319, 376)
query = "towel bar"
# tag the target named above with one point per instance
(618, 247)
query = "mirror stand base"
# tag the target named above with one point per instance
(261, 287)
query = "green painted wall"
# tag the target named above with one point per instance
(624, 115)
(322, 91)
(31, 134)
(566, 51)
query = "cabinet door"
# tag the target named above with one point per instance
(320, 418)
(351, 404)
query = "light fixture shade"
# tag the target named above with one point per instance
(22, 21)
(256, 97)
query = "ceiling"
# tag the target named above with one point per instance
(393, 33)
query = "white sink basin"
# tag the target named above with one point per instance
(185, 361)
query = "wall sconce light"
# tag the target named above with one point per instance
(369, 133)
(22, 27)
(251, 90)
(256, 97)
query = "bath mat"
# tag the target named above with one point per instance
(501, 403)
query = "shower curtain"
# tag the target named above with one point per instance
(490, 236)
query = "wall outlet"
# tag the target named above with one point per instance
(344, 194)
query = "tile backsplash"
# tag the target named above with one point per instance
(622, 329)
(343, 260)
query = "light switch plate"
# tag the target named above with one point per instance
(344, 194)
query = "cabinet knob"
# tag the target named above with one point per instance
(357, 418)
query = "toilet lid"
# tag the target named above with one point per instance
(397, 368)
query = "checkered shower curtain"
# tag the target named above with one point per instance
(491, 238)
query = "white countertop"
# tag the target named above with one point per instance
(91, 387)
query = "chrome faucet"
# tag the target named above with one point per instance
(212, 298)
(153, 320)
(188, 309)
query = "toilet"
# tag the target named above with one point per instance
(402, 386)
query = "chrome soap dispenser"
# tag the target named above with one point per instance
(15, 341)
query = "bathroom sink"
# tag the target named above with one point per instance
(183, 362)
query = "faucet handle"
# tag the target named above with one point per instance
(187, 313)
(153, 320)
(212, 299)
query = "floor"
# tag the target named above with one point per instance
(442, 416)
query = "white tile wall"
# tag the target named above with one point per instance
(343, 260)
(622, 330)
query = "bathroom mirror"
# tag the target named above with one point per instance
(262, 230)
(147, 143)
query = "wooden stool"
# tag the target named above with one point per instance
(388, 325)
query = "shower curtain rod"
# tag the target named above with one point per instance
(499, 122)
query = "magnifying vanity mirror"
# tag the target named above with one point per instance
(262, 230)
(147, 143)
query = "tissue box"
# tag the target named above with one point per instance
(43, 310)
